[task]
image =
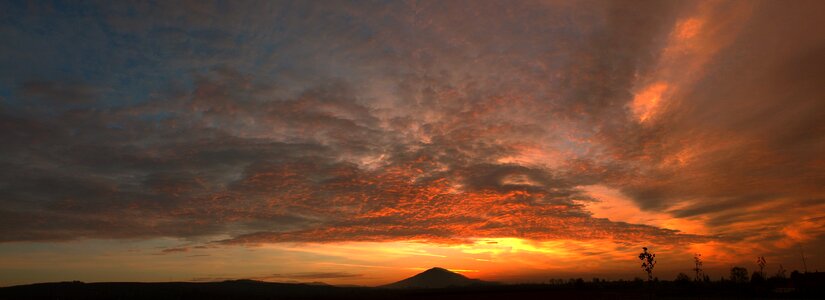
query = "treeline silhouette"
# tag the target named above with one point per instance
(737, 284)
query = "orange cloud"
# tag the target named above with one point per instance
(647, 101)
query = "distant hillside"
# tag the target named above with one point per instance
(435, 278)
(233, 289)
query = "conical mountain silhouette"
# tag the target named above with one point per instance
(435, 278)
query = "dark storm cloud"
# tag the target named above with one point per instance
(441, 121)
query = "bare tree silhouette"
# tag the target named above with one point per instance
(697, 262)
(781, 273)
(761, 262)
(648, 262)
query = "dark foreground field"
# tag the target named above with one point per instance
(247, 289)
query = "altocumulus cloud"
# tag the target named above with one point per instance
(436, 121)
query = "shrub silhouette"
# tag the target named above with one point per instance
(781, 273)
(756, 278)
(682, 278)
(738, 274)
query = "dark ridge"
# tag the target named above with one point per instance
(798, 286)
(230, 289)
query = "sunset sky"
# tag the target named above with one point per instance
(363, 142)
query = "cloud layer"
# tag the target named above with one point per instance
(433, 121)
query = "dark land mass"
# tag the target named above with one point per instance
(805, 286)
(436, 278)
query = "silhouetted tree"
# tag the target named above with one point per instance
(781, 273)
(738, 274)
(648, 262)
(757, 279)
(697, 262)
(761, 262)
(682, 278)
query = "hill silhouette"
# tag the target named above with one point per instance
(435, 278)
(230, 289)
